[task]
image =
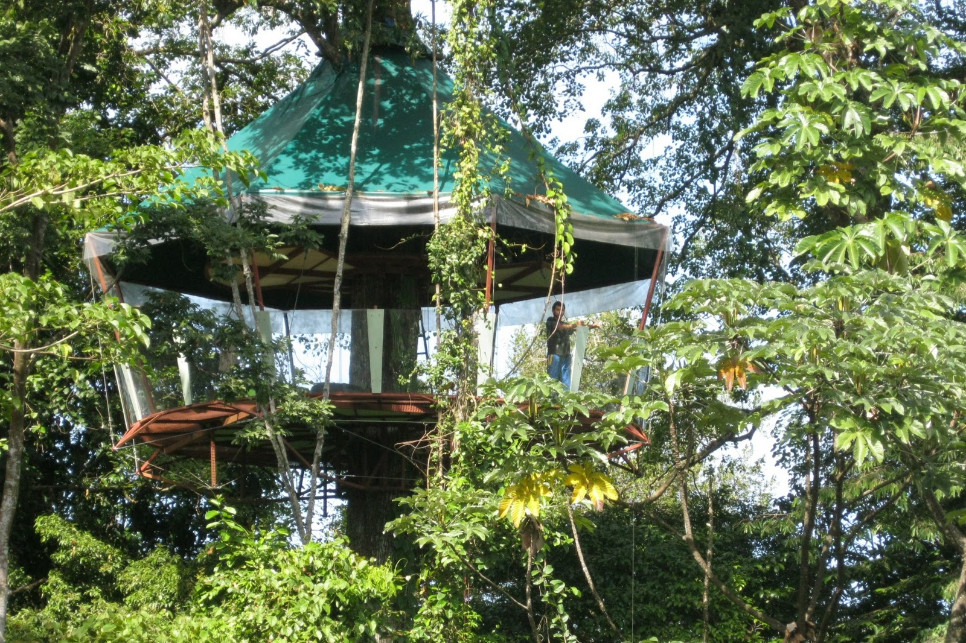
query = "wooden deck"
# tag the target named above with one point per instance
(367, 431)
(371, 443)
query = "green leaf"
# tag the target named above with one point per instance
(856, 120)
(673, 380)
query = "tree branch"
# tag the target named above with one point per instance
(587, 576)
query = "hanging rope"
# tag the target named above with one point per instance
(347, 204)
(633, 569)
(340, 264)
(439, 290)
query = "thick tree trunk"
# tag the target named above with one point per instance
(376, 475)
(366, 515)
(365, 293)
(16, 436)
(402, 335)
(956, 629)
(398, 296)
(11, 479)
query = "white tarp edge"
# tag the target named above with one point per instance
(392, 209)
(530, 311)
(578, 304)
(300, 322)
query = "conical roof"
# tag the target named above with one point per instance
(303, 142)
(303, 146)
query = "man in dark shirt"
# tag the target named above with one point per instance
(558, 344)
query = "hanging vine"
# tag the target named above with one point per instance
(277, 402)
(456, 249)
(554, 196)
(456, 256)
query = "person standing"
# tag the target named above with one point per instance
(559, 355)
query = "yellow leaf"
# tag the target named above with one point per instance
(506, 504)
(736, 368)
(523, 498)
(840, 173)
(938, 201)
(591, 485)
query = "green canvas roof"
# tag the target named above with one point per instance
(303, 141)
(303, 145)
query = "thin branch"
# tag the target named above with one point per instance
(586, 570)
(39, 349)
(668, 476)
(688, 537)
(709, 556)
(64, 188)
(534, 630)
(730, 594)
(493, 585)
(952, 532)
(812, 487)
(27, 588)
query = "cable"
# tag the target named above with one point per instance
(633, 569)
(107, 397)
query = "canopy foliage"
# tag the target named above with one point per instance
(811, 158)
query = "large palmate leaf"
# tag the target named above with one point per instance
(523, 498)
(589, 486)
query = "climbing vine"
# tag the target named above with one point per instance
(456, 250)
(554, 195)
(463, 500)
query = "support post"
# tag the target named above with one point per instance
(490, 261)
(214, 461)
(375, 326)
(658, 260)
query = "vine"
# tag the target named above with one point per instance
(456, 249)
(455, 254)
(554, 196)
(457, 502)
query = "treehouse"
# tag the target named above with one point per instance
(387, 323)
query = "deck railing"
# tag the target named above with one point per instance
(198, 357)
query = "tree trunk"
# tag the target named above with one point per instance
(16, 436)
(401, 337)
(365, 294)
(11, 480)
(366, 515)
(377, 474)
(398, 296)
(956, 629)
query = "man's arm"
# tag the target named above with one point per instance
(574, 325)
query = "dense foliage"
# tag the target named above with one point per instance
(812, 159)
(248, 586)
